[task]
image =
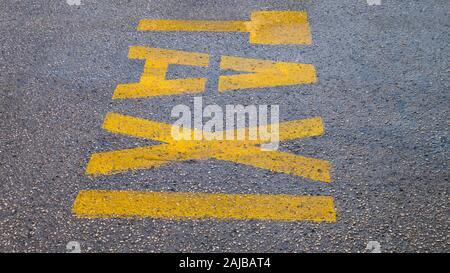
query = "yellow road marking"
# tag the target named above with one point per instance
(129, 204)
(265, 27)
(192, 25)
(242, 152)
(153, 82)
(264, 73)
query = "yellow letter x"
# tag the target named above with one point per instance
(239, 151)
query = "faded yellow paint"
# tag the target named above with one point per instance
(153, 80)
(279, 28)
(265, 27)
(263, 73)
(130, 204)
(192, 25)
(238, 151)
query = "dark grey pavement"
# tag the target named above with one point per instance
(382, 91)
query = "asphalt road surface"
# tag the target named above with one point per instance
(381, 94)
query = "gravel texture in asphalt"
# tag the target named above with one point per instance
(382, 91)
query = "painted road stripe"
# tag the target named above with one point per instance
(130, 204)
(265, 27)
(153, 81)
(242, 152)
(264, 73)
